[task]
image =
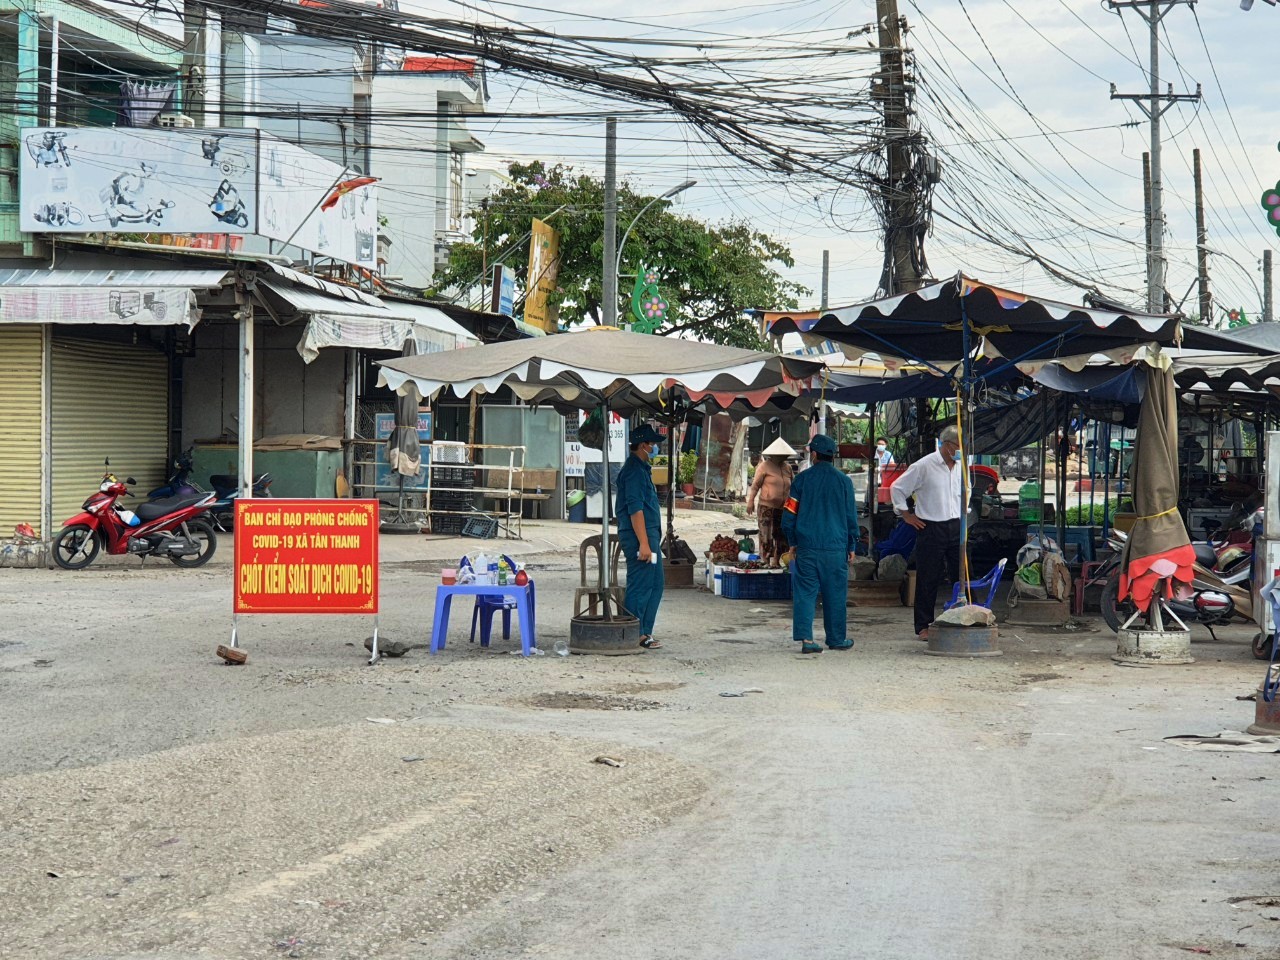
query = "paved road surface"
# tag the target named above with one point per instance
(875, 804)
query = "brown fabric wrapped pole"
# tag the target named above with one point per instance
(1158, 548)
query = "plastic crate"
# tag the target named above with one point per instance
(452, 501)
(448, 525)
(755, 586)
(453, 477)
(483, 528)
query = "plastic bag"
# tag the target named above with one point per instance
(1056, 576)
(892, 567)
(1028, 582)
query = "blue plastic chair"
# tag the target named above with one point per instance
(991, 581)
(486, 606)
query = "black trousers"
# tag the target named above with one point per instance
(937, 546)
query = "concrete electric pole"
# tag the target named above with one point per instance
(1154, 103)
(903, 222)
(1267, 314)
(1202, 244)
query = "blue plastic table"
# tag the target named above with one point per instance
(524, 610)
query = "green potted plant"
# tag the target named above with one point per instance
(686, 470)
(661, 470)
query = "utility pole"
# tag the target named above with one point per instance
(899, 201)
(826, 277)
(1202, 243)
(1153, 11)
(1267, 315)
(609, 286)
(1146, 200)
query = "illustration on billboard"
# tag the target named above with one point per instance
(176, 181)
(230, 162)
(126, 199)
(103, 179)
(48, 149)
(227, 206)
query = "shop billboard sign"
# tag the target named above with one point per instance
(544, 267)
(191, 181)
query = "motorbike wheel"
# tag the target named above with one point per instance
(1113, 611)
(225, 521)
(75, 547)
(203, 533)
(1263, 645)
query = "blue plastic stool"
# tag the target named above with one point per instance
(1082, 539)
(525, 606)
(487, 605)
(991, 580)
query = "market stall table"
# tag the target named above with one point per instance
(525, 607)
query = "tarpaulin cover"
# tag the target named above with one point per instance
(571, 370)
(928, 325)
(851, 388)
(1157, 549)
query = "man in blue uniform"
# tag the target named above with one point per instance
(820, 520)
(640, 532)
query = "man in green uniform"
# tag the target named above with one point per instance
(820, 520)
(640, 532)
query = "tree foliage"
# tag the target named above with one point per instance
(710, 274)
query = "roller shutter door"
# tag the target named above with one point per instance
(20, 406)
(109, 400)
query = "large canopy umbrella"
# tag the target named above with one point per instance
(606, 368)
(1158, 549)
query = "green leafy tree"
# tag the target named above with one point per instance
(710, 274)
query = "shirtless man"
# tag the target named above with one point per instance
(769, 488)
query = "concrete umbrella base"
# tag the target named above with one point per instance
(953, 640)
(1153, 646)
(1266, 716)
(618, 637)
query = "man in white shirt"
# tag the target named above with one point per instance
(935, 483)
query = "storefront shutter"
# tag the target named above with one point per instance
(109, 401)
(20, 359)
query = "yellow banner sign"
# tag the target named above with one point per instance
(544, 265)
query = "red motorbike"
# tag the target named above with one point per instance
(172, 528)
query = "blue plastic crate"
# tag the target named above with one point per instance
(755, 586)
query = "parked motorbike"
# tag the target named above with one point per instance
(179, 482)
(226, 488)
(175, 529)
(1221, 589)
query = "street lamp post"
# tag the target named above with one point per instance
(617, 264)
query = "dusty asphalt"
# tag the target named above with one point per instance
(874, 804)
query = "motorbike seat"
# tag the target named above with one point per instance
(155, 509)
(1206, 556)
(229, 481)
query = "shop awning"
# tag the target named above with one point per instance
(144, 297)
(369, 323)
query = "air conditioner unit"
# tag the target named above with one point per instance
(174, 120)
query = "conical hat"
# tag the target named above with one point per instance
(779, 448)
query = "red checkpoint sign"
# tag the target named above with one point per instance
(306, 556)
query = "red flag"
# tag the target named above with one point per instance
(345, 187)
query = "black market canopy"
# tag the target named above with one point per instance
(945, 322)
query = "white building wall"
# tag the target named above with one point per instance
(420, 158)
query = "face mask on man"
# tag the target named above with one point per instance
(881, 447)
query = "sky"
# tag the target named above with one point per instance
(1016, 98)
